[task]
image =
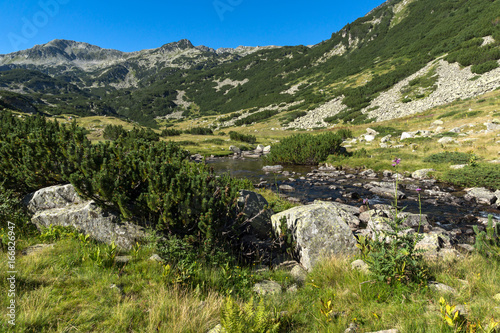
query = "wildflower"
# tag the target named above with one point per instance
(396, 161)
(365, 201)
(418, 189)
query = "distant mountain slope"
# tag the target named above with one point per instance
(342, 75)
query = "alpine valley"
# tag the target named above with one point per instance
(402, 58)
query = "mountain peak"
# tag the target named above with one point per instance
(183, 44)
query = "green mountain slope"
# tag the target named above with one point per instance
(358, 63)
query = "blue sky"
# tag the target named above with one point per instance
(136, 25)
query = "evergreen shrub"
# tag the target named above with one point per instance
(152, 183)
(306, 148)
(235, 136)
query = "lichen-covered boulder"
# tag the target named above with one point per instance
(267, 287)
(57, 196)
(61, 205)
(319, 230)
(92, 220)
(481, 195)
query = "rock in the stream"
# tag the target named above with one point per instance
(481, 195)
(272, 168)
(235, 149)
(320, 230)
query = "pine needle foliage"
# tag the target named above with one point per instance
(306, 148)
(150, 182)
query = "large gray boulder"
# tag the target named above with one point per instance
(52, 197)
(257, 215)
(320, 230)
(481, 195)
(61, 206)
(91, 220)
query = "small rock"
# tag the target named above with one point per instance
(218, 329)
(156, 258)
(299, 274)
(353, 328)
(465, 248)
(36, 248)
(446, 140)
(369, 138)
(272, 168)
(360, 265)
(458, 166)
(292, 289)
(370, 131)
(442, 288)
(235, 149)
(422, 173)
(267, 287)
(407, 135)
(287, 188)
(482, 195)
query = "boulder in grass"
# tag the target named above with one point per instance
(320, 230)
(92, 220)
(61, 206)
(57, 196)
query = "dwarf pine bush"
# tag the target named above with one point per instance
(306, 148)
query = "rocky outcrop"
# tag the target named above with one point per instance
(319, 230)
(61, 206)
(92, 220)
(58, 196)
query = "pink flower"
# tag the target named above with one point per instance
(418, 189)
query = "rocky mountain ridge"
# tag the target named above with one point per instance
(88, 57)
(375, 68)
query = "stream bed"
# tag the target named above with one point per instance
(443, 203)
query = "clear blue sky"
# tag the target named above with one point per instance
(136, 25)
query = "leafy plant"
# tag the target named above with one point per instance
(460, 323)
(480, 175)
(247, 318)
(453, 318)
(364, 246)
(488, 243)
(393, 257)
(326, 309)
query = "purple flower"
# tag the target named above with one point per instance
(396, 161)
(418, 189)
(365, 201)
